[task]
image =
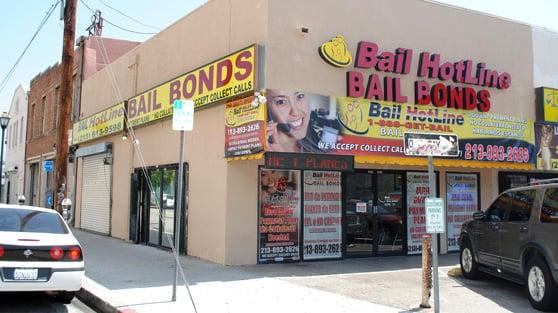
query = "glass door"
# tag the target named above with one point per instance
(360, 222)
(168, 206)
(374, 213)
(155, 204)
(162, 206)
(390, 213)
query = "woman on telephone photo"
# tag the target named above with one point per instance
(293, 127)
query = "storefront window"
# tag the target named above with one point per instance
(462, 201)
(508, 180)
(322, 215)
(279, 216)
(417, 191)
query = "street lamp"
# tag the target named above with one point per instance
(4, 120)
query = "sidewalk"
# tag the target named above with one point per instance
(124, 277)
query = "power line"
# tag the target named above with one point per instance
(120, 27)
(131, 18)
(12, 70)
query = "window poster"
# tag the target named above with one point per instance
(417, 191)
(279, 216)
(462, 201)
(322, 215)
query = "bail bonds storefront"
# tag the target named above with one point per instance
(309, 211)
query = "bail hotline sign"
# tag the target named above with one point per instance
(456, 77)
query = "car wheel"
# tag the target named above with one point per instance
(65, 296)
(469, 266)
(541, 288)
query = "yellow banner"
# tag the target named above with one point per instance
(304, 122)
(244, 127)
(550, 100)
(225, 78)
(101, 124)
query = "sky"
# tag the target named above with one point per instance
(19, 19)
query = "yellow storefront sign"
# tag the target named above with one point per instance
(223, 79)
(550, 103)
(101, 124)
(244, 128)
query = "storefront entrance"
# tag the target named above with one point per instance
(375, 213)
(153, 217)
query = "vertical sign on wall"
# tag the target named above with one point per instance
(279, 216)
(462, 201)
(322, 215)
(417, 191)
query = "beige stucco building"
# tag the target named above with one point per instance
(222, 194)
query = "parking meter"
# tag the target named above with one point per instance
(67, 209)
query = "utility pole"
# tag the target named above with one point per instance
(66, 89)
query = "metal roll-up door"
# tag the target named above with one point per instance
(95, 193)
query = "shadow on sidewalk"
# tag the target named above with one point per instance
(116, 264)
(492, 288)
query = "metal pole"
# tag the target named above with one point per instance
(178, 212)
(432, 187)
(2, 162)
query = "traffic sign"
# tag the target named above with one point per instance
(425, 144)
(183, 115)
(48, 166)
(435, 215)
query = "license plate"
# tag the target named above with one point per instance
(26, 274)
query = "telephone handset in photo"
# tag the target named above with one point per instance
(282, 127)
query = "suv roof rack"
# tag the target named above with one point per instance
(542, 182)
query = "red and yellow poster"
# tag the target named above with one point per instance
(303, 122)
(279, 216)
(244, 127)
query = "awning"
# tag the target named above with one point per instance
(257, 156)
(410, 161)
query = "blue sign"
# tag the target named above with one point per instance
(48, 166)
(49, 198)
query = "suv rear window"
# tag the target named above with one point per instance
(549, 209)
(23, 220)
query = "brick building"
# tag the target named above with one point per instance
(92, 54)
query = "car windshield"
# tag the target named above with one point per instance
(24, 220)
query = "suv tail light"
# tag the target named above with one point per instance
(74, 253)
(56, 253)
(1, 251)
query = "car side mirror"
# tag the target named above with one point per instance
(479, 216)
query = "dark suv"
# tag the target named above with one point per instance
(517, 239)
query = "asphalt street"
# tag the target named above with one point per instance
(38, 303)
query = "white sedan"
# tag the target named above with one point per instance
(38, 252)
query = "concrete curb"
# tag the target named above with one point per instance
(98, 298)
